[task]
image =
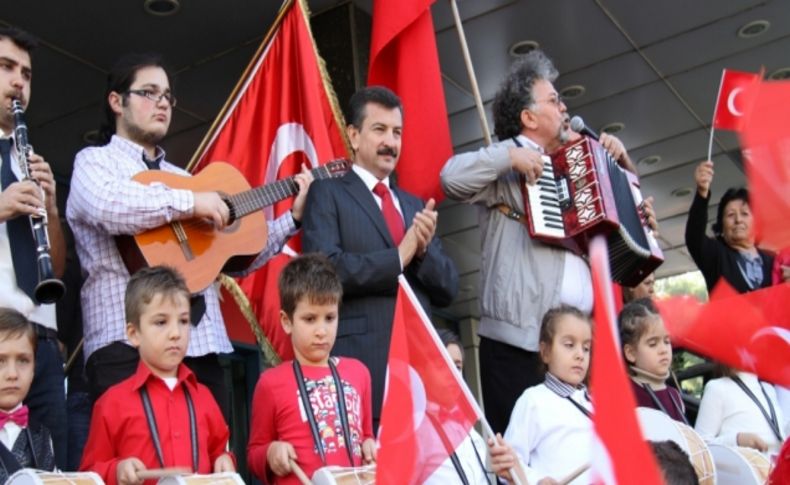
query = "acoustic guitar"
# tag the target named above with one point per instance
(194, 246)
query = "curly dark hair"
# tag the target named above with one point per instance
(515, 92)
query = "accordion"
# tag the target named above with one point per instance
(583, 192)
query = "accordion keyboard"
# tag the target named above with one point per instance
(546, 198)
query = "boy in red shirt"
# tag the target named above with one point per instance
(335, 430)
(160, 417)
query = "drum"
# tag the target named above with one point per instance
(657, 426)
(227, 478)
(336, 475)
(29, 476)
(741, 466)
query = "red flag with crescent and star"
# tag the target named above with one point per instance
(281, 115)
(731, 105)
(748, 331)
(427, 410)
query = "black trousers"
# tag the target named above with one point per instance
(505, 372)
(115, 362)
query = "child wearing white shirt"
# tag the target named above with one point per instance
(551, 428)
(739, 409)
(24, 445)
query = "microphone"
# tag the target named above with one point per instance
(577, 125)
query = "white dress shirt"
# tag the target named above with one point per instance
(470, 456)
(10, 432)
(11, 295)
(726, 410)
(370, 181)
(550, 434)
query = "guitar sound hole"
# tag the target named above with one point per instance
(235, 222)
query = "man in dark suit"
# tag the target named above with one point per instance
(358, 222)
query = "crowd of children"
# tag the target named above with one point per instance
(315, 410)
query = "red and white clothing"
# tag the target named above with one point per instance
(278, 415)
(119, 428)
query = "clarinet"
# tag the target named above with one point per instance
(49, 289)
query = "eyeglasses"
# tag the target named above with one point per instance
(555, 100)
(154, 96)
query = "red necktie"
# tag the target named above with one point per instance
(391, 215)
(19, 417)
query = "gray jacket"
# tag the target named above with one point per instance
(520, 277)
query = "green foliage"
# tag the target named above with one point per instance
(691, 283)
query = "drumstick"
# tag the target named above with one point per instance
(300, 474)
(575, 474)
(162, 472)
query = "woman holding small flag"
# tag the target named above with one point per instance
(732, 254)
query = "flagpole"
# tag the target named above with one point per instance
(248, 71)
(715, 111)
(454, 370)
(471, 71)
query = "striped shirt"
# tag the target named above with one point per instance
(104, 202)
(563, 389)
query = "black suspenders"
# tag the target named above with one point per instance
(342, 411)
(151, 418)
(773, 422)
(661, 407)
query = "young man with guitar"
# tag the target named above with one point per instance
(105, 204)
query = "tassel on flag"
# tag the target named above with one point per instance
(280, 115)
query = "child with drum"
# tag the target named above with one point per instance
(550, 428)
(739, 409)
(160, 417)
(315, 410)
(24, 444)
(648, 352)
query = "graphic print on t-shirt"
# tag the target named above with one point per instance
(323, 400)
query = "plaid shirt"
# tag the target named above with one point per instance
(104, 202)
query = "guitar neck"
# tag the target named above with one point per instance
(256, 199)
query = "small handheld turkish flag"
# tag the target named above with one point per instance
(731, 104)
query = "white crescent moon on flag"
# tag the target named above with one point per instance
(780, 332)
(731, 101)
(290, 138)
(419, 400)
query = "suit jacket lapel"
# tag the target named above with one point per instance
(360, 193)
(409, 209)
